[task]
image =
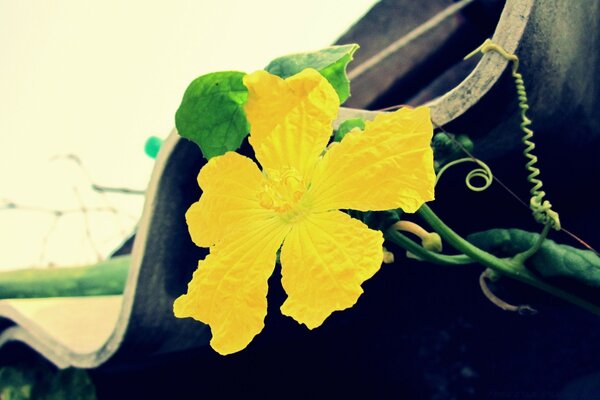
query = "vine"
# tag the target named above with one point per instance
(542, 209)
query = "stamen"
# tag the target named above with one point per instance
(283, 192)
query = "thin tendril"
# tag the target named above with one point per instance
(498, 302)
(468, 153)
(513, 194)
(515, 59)
(484, 172)
(542, 209)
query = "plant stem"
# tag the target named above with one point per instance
(508, 267)
(403, 241)
(522, 257)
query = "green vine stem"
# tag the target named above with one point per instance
(522, 257)
(508, 267)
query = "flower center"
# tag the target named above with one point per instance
(283, 192)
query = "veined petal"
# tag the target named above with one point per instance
(325, 259)
(291, 119)
(228, 290)
(389, 165)
(230, 185)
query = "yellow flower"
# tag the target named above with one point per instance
(245, 215)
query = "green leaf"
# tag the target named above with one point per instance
(553, 260)
(347, 126)
(211, 113)
(331, 62)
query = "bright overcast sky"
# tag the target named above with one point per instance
(95, 79)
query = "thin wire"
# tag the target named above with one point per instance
(473, 158)
(86, 221)
(497, 180)
(102, 194)
(468, 153)
(397, 106)
(581, 241)
(512, 193)
(47, 238)
(122, 190)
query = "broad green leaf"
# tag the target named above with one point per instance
(551, 261)
(331, 62)
(211, 113)
(347, 126)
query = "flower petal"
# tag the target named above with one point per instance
(388, 166)
(291, 119)
(325, 259)
(230, 185)
(228, 290)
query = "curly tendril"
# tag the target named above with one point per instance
(484, 172)
(492, 276)
(541, 209)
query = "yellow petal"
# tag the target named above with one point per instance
(389, 165)
(230, 185)
(325, 259)
(228, 290)
(290, 120)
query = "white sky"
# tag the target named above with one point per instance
(96, 79)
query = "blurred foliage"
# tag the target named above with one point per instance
(40, 381)
(105, 278)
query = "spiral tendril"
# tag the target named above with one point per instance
(541, 209)
(484, 172)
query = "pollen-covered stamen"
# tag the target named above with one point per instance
(282, 190)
